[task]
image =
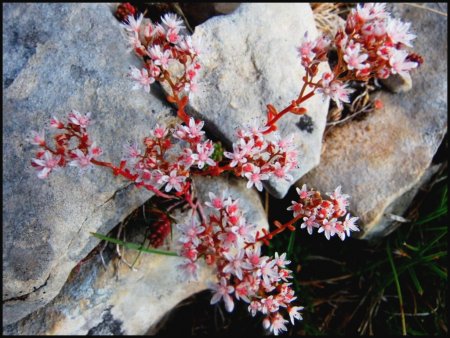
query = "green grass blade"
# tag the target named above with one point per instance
(433, 242)
(444, 228)
(133, 246)
(441, 273)
(415, 280)
(444, 198)
(397, 285)
(432, 216)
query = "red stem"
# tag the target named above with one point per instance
(283, 227)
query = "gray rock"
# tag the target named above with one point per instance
(59, 57)
(381, 159)
(250, 60)
(117, 300)
(398, 83)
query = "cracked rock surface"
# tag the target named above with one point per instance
(117, 300)
(59, 57)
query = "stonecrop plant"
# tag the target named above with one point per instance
(371, 45)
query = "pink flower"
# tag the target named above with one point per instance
(194, 129)
(159, 57)
(204, 151)
(81, 160)
(172, 36)
(190, 232)
(353, 58)
(236, 157)
(37, 138)
(145, 176)
(46, 163)
(349, 224)
(160, 131)
(269, 304)
(228, 239)
(294, 313)
(370, 11)
(80, 120)
(399, 63)
(281, 261)
(55, 123)
(133, 25)
(328, 228)
(188, 158)
(189, 270)
(255, 177)
(297, 208)
(306, 50)
(309, 223)
(398, 32)
(173, 181)
(242, 291)
(340, 200)
(337, 91)
(172, 21)
(132, 152)
(191, 132)
(244, 230)
(223, 290)
(235, 263)
(303, 193)
(142, 79)
(278, 324)
(268, 270)
(253, 259)
(254, 307)
(216, 202)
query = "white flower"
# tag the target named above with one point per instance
(255, 177)
(349, 224)
(142, 78)
(398, 32)
(81, 160)
(222, 290)
(132, 24)
(46, 164)
(398, 62)
(174, 181)
(354, 59)
(172, 21)
(294, 313)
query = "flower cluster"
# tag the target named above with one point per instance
(324, 215)
(169, 156)
(257, 158)
(72, 146)
(371, 45)
(160, 45)
(227, 241)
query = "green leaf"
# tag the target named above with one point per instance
(133, 246)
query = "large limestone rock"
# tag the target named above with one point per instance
(121, 301)
(381, 160)
(59, 57)
(250, 60)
